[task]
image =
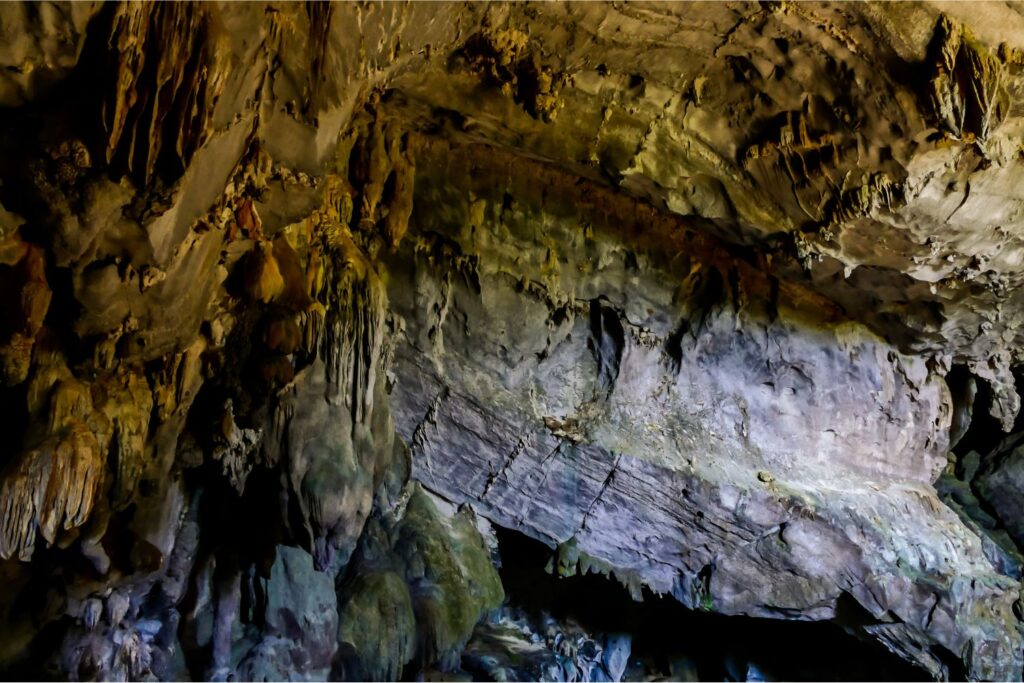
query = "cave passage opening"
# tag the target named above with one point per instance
(671, 642)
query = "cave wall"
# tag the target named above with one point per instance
(676, 419)
(681, 290)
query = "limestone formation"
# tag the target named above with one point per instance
(304, 305)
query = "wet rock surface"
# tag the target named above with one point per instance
(298, 302)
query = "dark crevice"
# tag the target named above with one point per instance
(607, 341)
(963, 389)
(669, 639)
(983, 432)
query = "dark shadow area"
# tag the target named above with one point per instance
(669, 639)
(973, 428)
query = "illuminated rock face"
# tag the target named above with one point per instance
(723, 301)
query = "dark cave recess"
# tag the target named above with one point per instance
(669, 639)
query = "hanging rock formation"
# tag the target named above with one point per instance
(722, 301)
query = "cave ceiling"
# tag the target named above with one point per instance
(700, 295)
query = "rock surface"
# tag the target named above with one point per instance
(723, 300)
(714, 447)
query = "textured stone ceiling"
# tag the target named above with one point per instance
(700, 295)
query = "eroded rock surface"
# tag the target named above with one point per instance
(722, 300)
(655, 419)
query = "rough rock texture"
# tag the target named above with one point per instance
(509, 649)
(721, 299)
(655, 419)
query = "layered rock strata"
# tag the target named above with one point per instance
(722, 300)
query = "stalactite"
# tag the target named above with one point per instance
(169, 73)
(671, 291)
(51, 488)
